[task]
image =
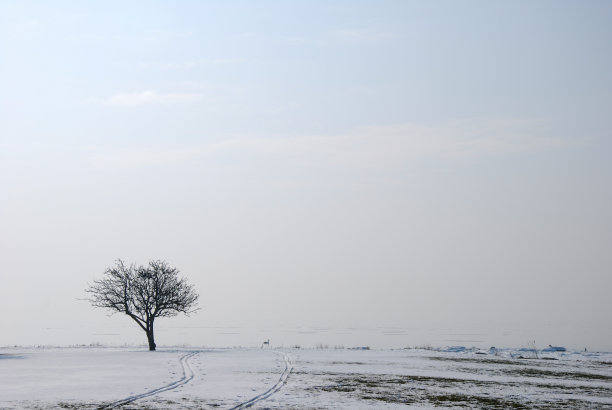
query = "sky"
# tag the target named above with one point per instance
(404, 164)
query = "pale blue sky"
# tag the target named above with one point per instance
(361, 163)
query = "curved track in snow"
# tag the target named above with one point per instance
(277, 386)
(186, 378)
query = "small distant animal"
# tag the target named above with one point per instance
(267, 342)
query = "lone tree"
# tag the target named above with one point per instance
(144, 293)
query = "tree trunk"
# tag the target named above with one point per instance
(151, 339)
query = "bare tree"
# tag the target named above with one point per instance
(144, 293)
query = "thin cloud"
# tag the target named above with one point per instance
(228, 60)
(341, 37)
(90, 100)
(186, 65)
(358, 35)
(394, 144)
(25, 28)
(378, 146)
(153, 97)
(190, 65)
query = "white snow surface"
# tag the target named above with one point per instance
(185, 378)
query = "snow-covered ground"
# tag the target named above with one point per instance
(179, 378)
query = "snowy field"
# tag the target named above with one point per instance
(132, 378)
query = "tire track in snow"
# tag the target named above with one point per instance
(187, 377)
(277, 386)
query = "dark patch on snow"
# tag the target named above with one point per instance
(11, 356)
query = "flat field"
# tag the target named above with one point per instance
(193, 378)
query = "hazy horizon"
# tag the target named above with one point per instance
(320, 164)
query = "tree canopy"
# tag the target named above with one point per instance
(144, 293)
